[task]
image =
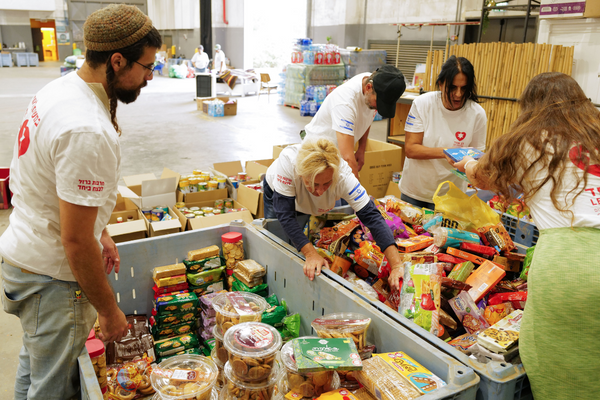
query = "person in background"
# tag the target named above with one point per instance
(200, 60)
(346, 115)
(551, 154)
(219, 63)
(64, 173)
(436, 121)
(308, 178)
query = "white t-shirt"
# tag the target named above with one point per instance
(344, 111)
(283, 179)
(200, 61)
(442, 128)
(219, 61)
(586, 208)
(67, 148)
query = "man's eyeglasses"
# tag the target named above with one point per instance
(147, 67)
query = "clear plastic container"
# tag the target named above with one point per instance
(220, 366)
(233, 308)
(310, 385)
(221, 353)
(237, 389)
(214, 395)
(345, 324)
(233, 248)
(253, 348)
(176, 388)
(95, 348)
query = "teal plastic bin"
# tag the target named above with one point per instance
(285, 277)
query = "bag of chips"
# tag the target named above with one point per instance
(420, 295)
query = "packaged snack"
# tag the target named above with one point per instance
(361, 394)
(290, 327)
(465, 256)
(420, 258)
(233, 308)
(447, 258)
(502, 335)
(484, 355)
(464, 342)
(274, 315)
(173, 345)
(414, 243)
(317, 355)
(420, 377)
(174, 330)
(252, 348)
(496, 236)
(458, 153)
(343, 325)
(163, 321)
(198, 352)
(383, 381)
(158, 291)
(483, 279)
(407, 212)
(393, 221)
(168, 270)
(517, 299)
(206, 288)
(205, 303)
(210, 276)
(341, 265)
(369, 256)
(460, 273)
(332, 238)
(444, 237)
(479, 249)
(238, 389)
(358, 236)
(272, 300)
(250, 269)
(176, 304)
(447, 320)
(187, 376)
(345, 394)
(233, 248)
(495, 313)
(453, 284)
(130, 348)
(312, 384)
(204, 264)
(467, 312)
(239, 286)
(527, 263)
(170, 280)
(245, 279)
(129, 379)
(420, 295)
(200, 254)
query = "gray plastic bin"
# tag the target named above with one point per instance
(33, 59)
(6, 60)
(499, 381)
(285, 278)
(21, 59)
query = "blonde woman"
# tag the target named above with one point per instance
(308, 178)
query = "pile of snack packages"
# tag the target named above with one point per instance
(463, 280)
(204, 342)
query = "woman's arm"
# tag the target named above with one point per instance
(468, 165)
(414, 147)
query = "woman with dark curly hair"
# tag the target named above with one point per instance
(551, 155)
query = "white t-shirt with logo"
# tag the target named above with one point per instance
(200, 61)
(344, 111)
(67, 148)
(219, 61)
(283, 179)
(442, 128)
(586, 208)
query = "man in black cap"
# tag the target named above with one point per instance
(346, 115)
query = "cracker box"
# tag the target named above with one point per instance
(163, 321)
(210, 276)
(173, 330)
(314, 355)
(503, 334)
(176, 304)
(204, 264)
(171, 346)
(483, 279)
(414, 243)
(466, 310)
(170, 280)
(168, 270)
(420, 377)
(200, 254)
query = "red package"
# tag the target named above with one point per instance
(168, 289)
(447, 258)
(477, 248)
(518, 299)
(156, 295)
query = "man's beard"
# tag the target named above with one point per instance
(128, 95)
(366, 99)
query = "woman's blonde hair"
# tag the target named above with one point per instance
(315, 156)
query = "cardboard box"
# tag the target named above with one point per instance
(393, 190)
(252, 200)
(569, 9)
(127, 230)
(229, 109)
(253, 168)
(381, 161)
(201, 196)
(4, 190)
(174, 225)
(277, 149)
(207, 222)
(146, 190)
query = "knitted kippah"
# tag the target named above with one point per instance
(115, 27)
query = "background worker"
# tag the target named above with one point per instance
(200, 60)
(346, 115)
(219, 62)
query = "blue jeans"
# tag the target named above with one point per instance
(200, 70)
(417, 203)
(268, 200)
(56, 318)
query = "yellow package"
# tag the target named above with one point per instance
(338, 394)
(420, 377)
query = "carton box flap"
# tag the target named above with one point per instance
(229, 168)
(128, 193)
(249, 198)
(255, 168)
(136, 180)
(393, 190)
(207, 222)
(165, 199)
(167, 173)
(159, 186)
(126, 228)
(203, 196)
(166, 225)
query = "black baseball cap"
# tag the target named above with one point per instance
(389, 85)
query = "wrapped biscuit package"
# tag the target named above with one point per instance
(233, 308)
(181, 303)
(200, 254)
(382, 380)
(312, 384)
(343, 325)
(250, 269)
(185, 377)
(233, 248)
(252, 348)
(237, 389)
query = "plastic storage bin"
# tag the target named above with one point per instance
(33, 59)
(6, 60)
(22, 59)
(499, 381)
(286, 278)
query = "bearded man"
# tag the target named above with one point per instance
(64, 173)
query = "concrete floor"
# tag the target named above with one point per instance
(161, 129)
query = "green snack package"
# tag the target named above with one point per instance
(273, 316)
(174, 330)
(206, 288)
(176, 344)
(180, 303)
(272, 300)
(290, 327)
(204, 264)
(163, 321)
(239, 286)
(316, 355)
(210, 276)
(188, 351)
(210, 344)
(284, 304)
(460, 272)
(527, 263)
